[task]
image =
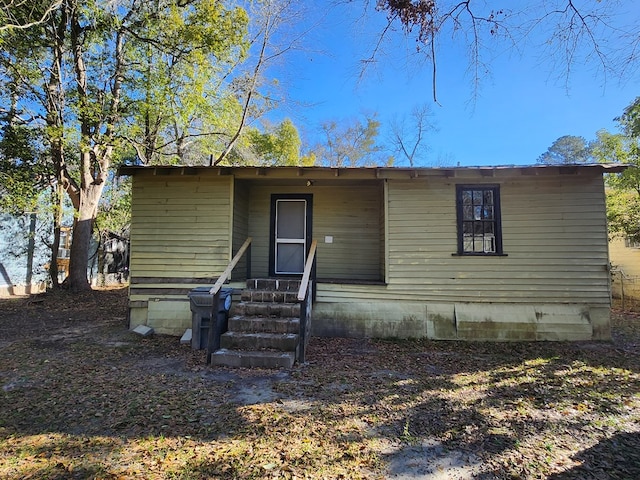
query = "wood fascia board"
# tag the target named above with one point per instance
(571, 170)
(371, 172)
(159, 171)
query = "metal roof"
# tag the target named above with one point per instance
(373, 172)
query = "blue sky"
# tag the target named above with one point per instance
(519, 109)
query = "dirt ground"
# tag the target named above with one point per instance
(82, 397)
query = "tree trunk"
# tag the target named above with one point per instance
(79, 259)
(94, 161)
(81, 241)
(57, 198)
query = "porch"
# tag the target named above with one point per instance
(282, 216)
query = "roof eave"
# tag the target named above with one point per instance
(370, 172)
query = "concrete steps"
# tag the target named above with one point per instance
(266, 309)
(263, 329)
(254, 324)
(285, 342)
(253, 359)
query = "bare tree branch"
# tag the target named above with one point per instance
(572, 31)
(7, 9)
(276, 16)
(408, 135)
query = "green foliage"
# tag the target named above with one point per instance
(184, 101)
(174, 63)
(620, 148)
(567, 150)
(280, 147)
(623, 213)
(87, 74)
(351, 143)
(623, 189)
(115, 206)
(630, 119)
(22, 175)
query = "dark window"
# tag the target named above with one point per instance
(478, 209)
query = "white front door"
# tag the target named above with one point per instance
(290, 236)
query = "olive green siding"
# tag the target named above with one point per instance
(180, 238)
(551, 284)
(351, 215)
(240, 225)
(554, 238)
(387, 260)
(180, 226)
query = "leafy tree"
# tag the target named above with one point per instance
(623, 189)
(271, 20)
(615, 148)
(23, 169)
(623, 213)
(23, 173)
(79, 71)
(115, 206)
(198, 102)
(630, 119)
(22, 14)
(350, 143)
(567, 149)
(186, 102)
(276, 146)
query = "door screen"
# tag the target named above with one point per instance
(290, 236)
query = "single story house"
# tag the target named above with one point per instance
(471, 253)
(23, 254)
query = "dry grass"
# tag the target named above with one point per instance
(84, 398)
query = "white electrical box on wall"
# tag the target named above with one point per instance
(328, 239)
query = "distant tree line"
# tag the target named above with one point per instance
(623, 189)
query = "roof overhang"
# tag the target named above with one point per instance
(372, 173)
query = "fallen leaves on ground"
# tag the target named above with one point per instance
(82, 397)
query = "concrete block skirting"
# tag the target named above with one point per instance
(438, 321)
(462, 321)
